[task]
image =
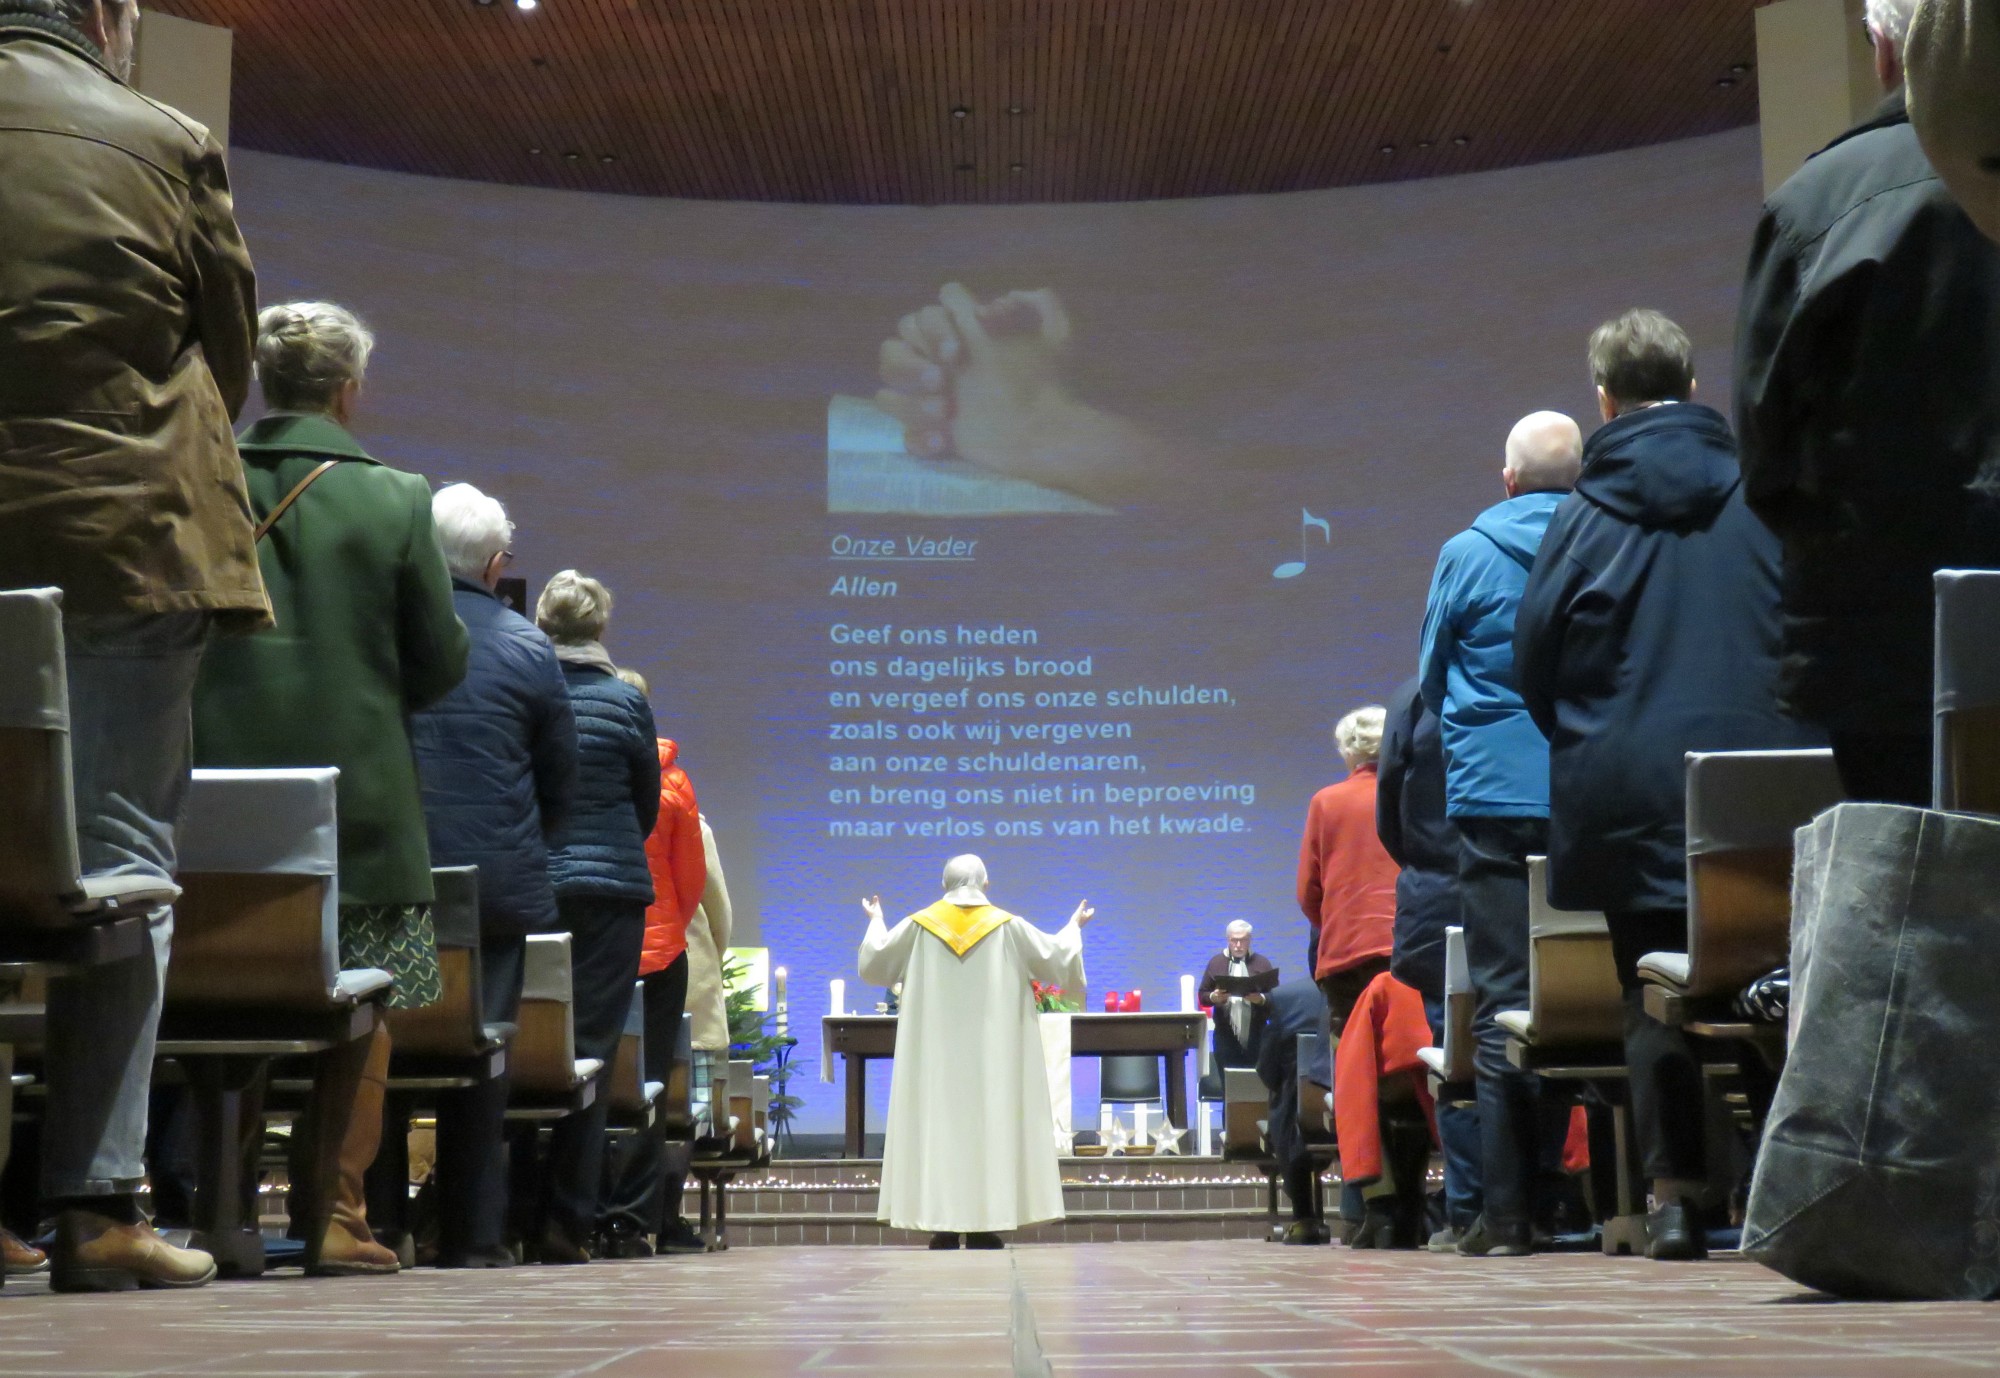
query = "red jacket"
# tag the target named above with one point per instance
(674, 856)
(1347, 883)
(1380, 1042)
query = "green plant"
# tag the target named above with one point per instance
(750, 1040)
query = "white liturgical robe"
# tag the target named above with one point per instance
(971, 1140)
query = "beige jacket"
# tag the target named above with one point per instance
(707, 940)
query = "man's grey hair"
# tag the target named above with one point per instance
(1544, 452)
(1642, 357)
(1239, 925)
(1891, 19)
(472, 528)
(307, 351)
(962, 871)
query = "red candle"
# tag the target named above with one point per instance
(1130, 1005)
(1111, 1002)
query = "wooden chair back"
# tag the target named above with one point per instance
(1573, 994)
(1967, 761)
(39, 865)
(249, 942)
(456, 1025)
(542, 1061)
(1743, 810)
(627, 1087)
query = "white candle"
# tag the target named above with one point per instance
(778, 989)
(1187, 995)
(837, 1001)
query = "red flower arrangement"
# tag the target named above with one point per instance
(1052, 999)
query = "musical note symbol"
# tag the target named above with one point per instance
(1292, 569)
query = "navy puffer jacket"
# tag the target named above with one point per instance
(601, 850)
(1410, 819)
(497, 758)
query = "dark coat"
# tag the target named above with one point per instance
(1410, 819)
(366, 635)
(128, 310)
(601, 848)
(1868, 403)
(1649, 629)
(1229, 1051)
(497, 756)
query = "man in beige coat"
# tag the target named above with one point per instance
(127, 315)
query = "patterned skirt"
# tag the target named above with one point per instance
(399, 939)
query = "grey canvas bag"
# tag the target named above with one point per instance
(1879, 1174)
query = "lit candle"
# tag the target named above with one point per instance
(778, 1002)
(1187, 995)
(837, 1001)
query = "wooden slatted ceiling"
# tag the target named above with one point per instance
(1066, 100)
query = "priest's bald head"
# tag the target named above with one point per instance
(965, 880)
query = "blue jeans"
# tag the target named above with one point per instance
(131, 681)
(1458, 1135)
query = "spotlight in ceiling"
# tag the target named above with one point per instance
(1739, 68)
(607, 158)
(535, 150)
(571, 156)
(959, 112)
(1460, 140)
(1386, 149)
(1725, 81)
(1017, 167)
(1013, 109)
(483, 4)
(1424, 143)
(525, 5)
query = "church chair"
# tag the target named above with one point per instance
(1743, 809)
(548, 1080)
(634, 1101)
(676, 1101)
(433, 1049)
(1450, 1066)
(1966, 778)
(1574, 1030)
(50, 912)
(737, 1140)
(255, 973)
(1131, 1080)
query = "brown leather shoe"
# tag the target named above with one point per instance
(94, 1253)
(19, 1256)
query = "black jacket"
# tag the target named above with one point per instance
(1649, 629)
(601, 849)
(1410, 818)
(1868, 402)
(1296, 1007)
(497, 757)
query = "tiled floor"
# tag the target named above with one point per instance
(1220, 1309)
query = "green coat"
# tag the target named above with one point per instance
(365, 636)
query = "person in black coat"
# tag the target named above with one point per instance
(1649, 629)
(1868, 405)
(1294, 1008)
(1410, 819)
(497, 758)
(603, 885)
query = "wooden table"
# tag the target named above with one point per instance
(857, 1038)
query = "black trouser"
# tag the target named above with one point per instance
(1666, 1086)
(471, 1120)
(1884, 767)
(637, 1189)
(606, 935)
(1521, 1128)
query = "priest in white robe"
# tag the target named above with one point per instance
(971, 1144)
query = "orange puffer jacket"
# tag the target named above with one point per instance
(673, 854)
(1379, 1043)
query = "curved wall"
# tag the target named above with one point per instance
(646, 385)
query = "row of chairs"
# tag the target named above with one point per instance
(254, 990)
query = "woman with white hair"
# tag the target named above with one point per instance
(603, 885)
(365, 636)
(498, 760)
(1347, 882)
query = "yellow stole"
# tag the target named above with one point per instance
(961, 926)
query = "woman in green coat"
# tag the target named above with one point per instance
(365, 636)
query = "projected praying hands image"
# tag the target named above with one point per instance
(976, 403)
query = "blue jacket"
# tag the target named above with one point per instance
(497, 759)
(1496, 760)
(1650, 629)
(601, 850)
(1294, 1008)
(1410, 819)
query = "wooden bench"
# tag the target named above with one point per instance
(1967, 774)
(1743, 810)
(255, 974)
(1574, 1030)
